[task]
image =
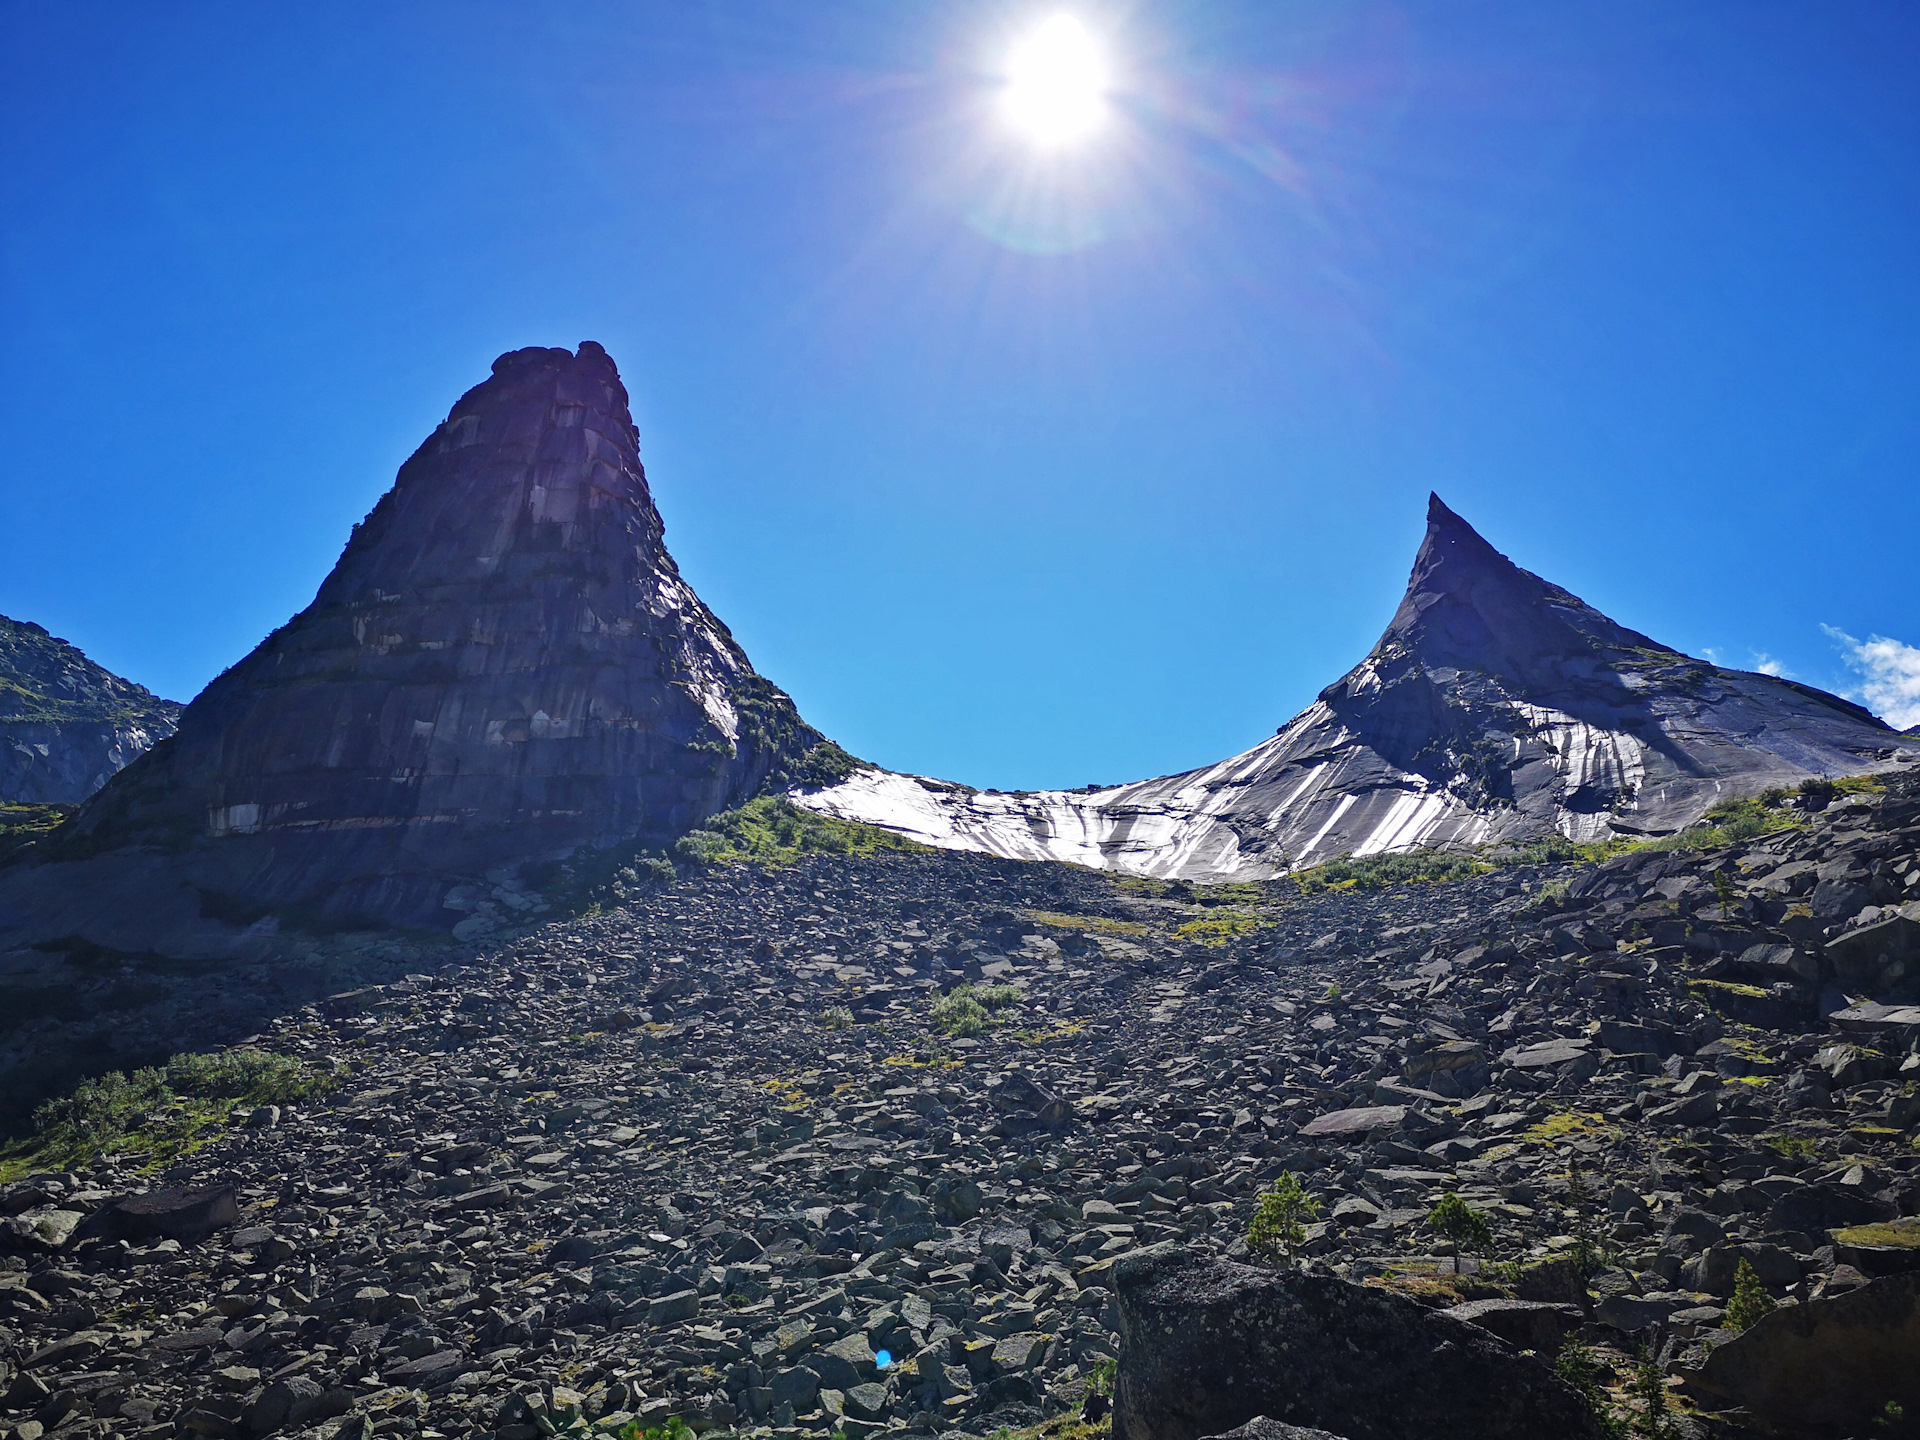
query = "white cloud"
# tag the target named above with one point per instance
(1889, 675)
(1765, 664)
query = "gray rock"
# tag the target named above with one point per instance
(1523, 1324)
(1718, 1264)
(1261, 1428)
(671, 1309)
(1830, 1364)
(187, 1214)
(1207, 1345)
(1634, 1313)
(1358, 1121)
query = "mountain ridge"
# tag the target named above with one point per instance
(1495, 706)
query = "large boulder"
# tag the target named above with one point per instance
(1810, 1209)
(1207, 1345)
(1523, 1324)
(188, 1215)
(1881, 954)
(1832, 1364)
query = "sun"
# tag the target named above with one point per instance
(1056, 84)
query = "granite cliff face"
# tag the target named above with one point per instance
(66, 724)
(504, 666)
(1495, 707)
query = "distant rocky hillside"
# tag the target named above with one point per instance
(1496, 707)
(67, 725)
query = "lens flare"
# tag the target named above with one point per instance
(1056, 84)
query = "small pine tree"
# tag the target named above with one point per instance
(1750, 1299)
(1655, 1421)
(1582, 1369)
(1465, 1226)
(1279, 1226)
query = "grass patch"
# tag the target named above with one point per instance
(1566, 1125)
(1094, 924)
(1439, 1291)
(1065, 1030)
(1893, 1235)
(1803, 1147)
(21, 825)
(1220, 927)
(158, 1113)
(1707, 990)
(1071, 1426)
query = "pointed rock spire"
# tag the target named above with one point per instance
(1469, 605)
(504, 665)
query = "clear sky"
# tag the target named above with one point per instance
(1018, 464)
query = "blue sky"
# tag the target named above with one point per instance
(1020, 469)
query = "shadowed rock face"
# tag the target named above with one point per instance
(504, 665)
(66, 724)
(1495, 707)
(1207, 1345)
(1829, 1366)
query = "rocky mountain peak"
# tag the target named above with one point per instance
(1496, 707)
(1467, 605)
(504, 666)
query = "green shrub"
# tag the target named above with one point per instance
(1279, 1225)
(674, 1429)
(964, 1010)
(1655, 1420)
(160, 1112)
(836, 1017)
(1377, 872)
(259, 1076)
(101, 1109)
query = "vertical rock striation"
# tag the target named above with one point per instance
(505, 665)
(66, 724)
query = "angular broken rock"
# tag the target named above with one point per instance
(1523, 1324)
(1207, 1345)
(1832, 1363)
(186, 1215)
(1357, 1121)
(39, 1230)
(1262, 1428)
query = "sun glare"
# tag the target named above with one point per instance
(1056, 84)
